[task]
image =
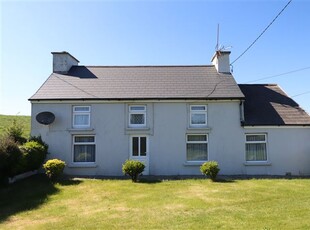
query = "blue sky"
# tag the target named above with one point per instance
(152, 33)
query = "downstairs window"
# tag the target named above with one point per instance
(84, 149)
(256, 147)
(197, 147)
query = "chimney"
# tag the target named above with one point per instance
(221, 61)
(63, 61)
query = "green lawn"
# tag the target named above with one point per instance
(35, 203)
(7, 120)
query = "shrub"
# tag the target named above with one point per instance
(10, 154)
(34, 153)
(133, 169)
(54, 168)
(210, 169)
(15, 132)
(20, 166)
(39, 140)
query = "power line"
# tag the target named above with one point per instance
(296, 95)
(262, 32)
(278, 75)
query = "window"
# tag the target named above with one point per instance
(197, 147)
(137, 116)
(138, 146)
(256, 147)
(84, 149)
(198, 115)
(81, 116)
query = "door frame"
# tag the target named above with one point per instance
(143, 159)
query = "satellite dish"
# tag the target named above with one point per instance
(45, 118)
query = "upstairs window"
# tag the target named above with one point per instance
(81, 116)
(198, 115)
(256, 147)
(137, 116)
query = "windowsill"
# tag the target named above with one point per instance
(193, 163)
(77, 130)
(138, 128)
(198, 129)
(257, 163)
(82, 165)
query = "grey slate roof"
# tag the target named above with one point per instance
(267, 104)
(139, 82)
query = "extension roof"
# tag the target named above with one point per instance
(269, 105)
(139, 83)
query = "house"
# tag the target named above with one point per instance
(172, 118)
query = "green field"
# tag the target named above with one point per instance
(7, 120)
(35, 203)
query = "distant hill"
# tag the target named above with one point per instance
(7, 120)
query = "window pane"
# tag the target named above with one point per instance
(84, 139)
(197, 152)
(90, 149)
(137, 108)
(82, 109)
(197, 138)
(198, 119)
(198, 108)
(255, 137)
(81, 119)
(79, 153)
(135, 146)
(256, 152)
(137, 119)
(142, 146)
(84, 153)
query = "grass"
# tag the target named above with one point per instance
(35, 203)
(7, 120)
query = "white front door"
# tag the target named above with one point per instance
(139, 151)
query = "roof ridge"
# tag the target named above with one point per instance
(266, 84)
(140, 66)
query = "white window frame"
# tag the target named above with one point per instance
(139, 146)
(256, 142)
(198, 142)
(131, 111)
(76, 113)
(74, 143)
(193, 112)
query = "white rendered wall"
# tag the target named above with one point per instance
(167, 126)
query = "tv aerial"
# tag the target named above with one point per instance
(219, 47)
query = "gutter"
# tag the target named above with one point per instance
(137, 99)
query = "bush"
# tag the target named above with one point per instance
(34, 154)
(10, 155)
(210, 169)
(54, 168)
(133, 169)
(16, 159)
(40, 141)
